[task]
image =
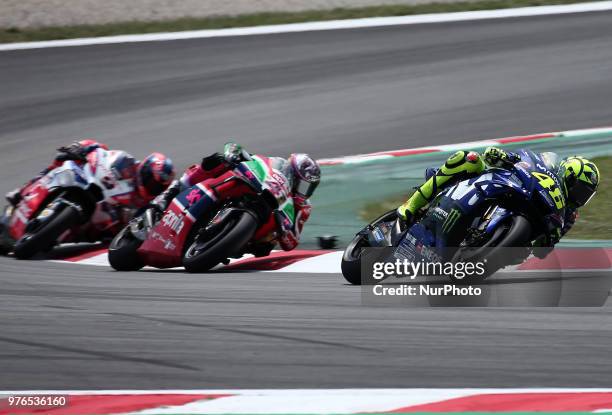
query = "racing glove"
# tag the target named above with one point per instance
(234, 153)
(74, 151)
(498, 157)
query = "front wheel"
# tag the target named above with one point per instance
(45, 234)
(122, 254)
(508, 245)
(229, 238)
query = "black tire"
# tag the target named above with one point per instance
(233, 235)
(5, 245)
(32, 243)
(516, 234)
(122, 254)
(351, 259)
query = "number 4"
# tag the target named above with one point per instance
(548, 183)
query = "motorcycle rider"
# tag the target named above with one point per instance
(580, 178)
(148, 178)
(300, 169)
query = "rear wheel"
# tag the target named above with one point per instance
(351, 259)
(45, 234)
(122, 252)
(229, 238)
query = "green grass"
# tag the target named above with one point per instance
(13, 34)
(372, 210)
(594, 220)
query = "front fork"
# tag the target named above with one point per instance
(142, 225)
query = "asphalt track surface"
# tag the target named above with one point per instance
(328, 93)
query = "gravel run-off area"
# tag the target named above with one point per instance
(41, 13)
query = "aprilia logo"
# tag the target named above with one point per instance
(172, 221)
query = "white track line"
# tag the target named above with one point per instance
(326, 25)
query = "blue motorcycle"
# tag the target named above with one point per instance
(477, 219)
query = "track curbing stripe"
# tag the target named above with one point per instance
(332, 401)
(441, 148)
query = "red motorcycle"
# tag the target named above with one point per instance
(72, 203)
(217, 219)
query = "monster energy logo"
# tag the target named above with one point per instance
(451, 220)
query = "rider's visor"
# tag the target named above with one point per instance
(581, 193)
(305, 188)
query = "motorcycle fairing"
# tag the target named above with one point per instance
(69, 174)
(93, 175)
(416, 245)
(265, 178)
(33, 197)
(534, 178)
(163, 246)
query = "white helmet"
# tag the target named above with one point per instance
(306, 174)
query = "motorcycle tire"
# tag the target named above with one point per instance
(517, 234)
(5, 245)
(234, 234)
(122, 254)
(32, 243)
(351, 258)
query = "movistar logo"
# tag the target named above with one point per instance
(451, 220)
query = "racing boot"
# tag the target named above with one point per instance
(161, 202)
(405, 216)
(262, 249)
(404, 212)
